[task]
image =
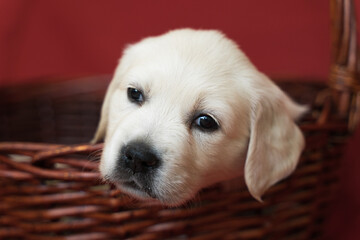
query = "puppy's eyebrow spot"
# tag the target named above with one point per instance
(194, 111)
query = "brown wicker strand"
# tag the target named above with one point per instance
(344, 73)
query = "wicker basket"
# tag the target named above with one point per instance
(51, 190)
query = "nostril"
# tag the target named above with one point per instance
(147, 160)
(128, 155)
(150, 163)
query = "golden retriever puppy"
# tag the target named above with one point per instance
(187, 109)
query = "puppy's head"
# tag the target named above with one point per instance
(187, 109)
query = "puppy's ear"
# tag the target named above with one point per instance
(122, 67)
(275, 142)
(101, 128)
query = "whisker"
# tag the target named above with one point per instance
(95, 155)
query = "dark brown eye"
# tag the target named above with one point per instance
(135, 95)
(206, 123)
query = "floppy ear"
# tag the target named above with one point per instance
(101, 128)
(121, 68)
(275, 142)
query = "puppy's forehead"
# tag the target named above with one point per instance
(181, 60)
(187, 52)
(173, 78)
(187, 66)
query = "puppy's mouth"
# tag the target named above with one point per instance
(133, 188)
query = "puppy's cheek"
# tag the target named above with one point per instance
(176, 184)
(106, 164)
(102, 167)
(110, 155)
(175, 196)
(232, 161)
(221, 160)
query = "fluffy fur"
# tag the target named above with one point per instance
(185, 72)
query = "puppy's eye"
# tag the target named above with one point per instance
(135, 95)
(206, 123)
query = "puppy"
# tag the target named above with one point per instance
(187, 109)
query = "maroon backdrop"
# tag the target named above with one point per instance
(47, 38)
(42, 38)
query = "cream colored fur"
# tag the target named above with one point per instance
(184, 71)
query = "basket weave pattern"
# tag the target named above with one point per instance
(51, 191)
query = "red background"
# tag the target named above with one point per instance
(42, 38)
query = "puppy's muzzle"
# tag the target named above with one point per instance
(139, 157)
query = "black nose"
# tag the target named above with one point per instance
(139, 157)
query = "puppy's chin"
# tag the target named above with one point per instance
(134, 190)
(145, 198)
(148, 197)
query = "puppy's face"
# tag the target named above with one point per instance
(181, 113)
